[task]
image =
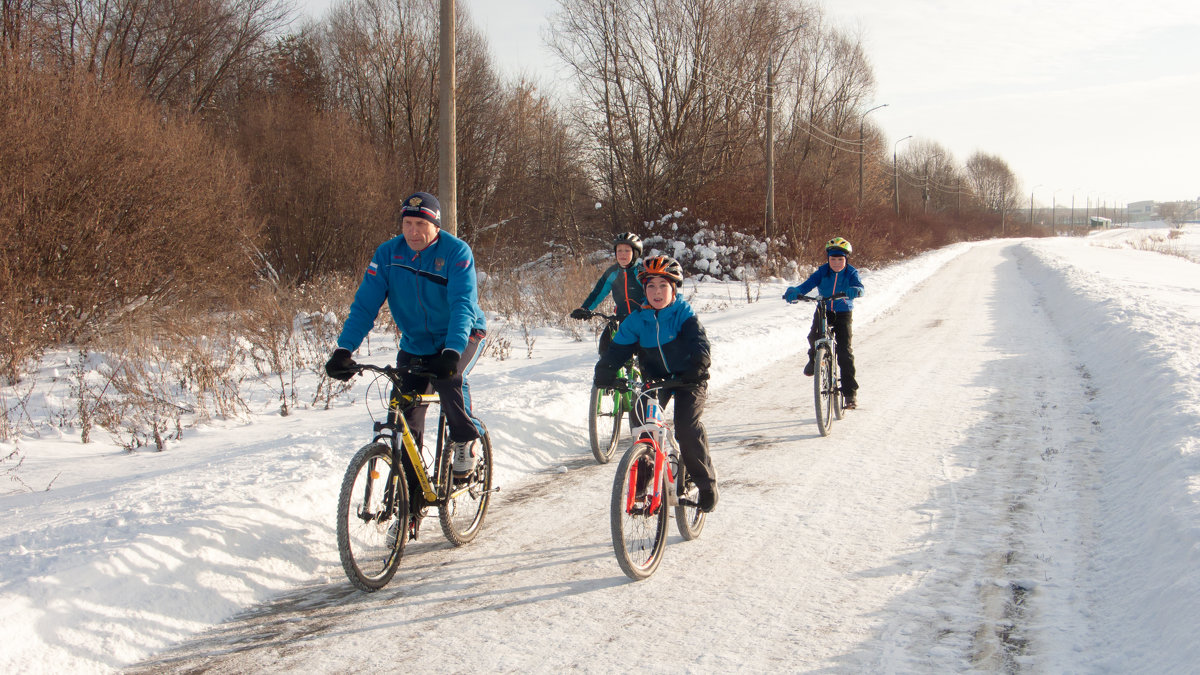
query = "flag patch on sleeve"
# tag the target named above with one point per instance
(372, 269)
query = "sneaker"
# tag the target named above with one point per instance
(707, 501)
(808, 369)
(464, 457)
(848, 402)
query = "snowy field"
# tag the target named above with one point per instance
(1019, 491)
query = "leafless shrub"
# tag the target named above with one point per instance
(109, 212)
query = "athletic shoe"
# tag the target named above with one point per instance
(808, 369)
(464, 458)
(848, 403)
(707, 501)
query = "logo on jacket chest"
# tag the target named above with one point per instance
(439, 264)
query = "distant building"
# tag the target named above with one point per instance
(1140, 212)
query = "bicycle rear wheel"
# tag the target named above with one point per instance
(604, 423)
(465, 503)
(638, 535)
(371, 530)
(823, 388)
(688, 519)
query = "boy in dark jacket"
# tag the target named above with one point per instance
(836, 276)
(621, 279)
(670, 344)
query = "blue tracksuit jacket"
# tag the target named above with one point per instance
(432, 295)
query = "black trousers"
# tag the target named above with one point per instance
(454, 393)
(689, 431)
(841, 323)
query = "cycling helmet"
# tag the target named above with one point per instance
(838, 246)
(634, 242)
(661, 266)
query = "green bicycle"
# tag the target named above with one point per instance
(606, 406)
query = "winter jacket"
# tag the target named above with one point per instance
(627, 291)
(670, 342)
(431, 293)
(827, 282)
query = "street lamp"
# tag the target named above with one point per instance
(862, 150)
(896, 175)
(1053, 210)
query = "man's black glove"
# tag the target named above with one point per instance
(581, 314)
(695, 376)
(340, 366)
(443, 365)
(605, 378)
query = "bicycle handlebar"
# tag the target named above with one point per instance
(818, 298)
(602, 315)
(394, 372)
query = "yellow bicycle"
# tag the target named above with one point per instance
(388, 488)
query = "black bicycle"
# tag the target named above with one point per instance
(391, 483)
(827, 393)
(607, 406)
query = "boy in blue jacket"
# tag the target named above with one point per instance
(427, 277)
(670, 344)
(836, 276)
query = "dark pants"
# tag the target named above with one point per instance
(689, 432)
(454, 392)
(840, 321)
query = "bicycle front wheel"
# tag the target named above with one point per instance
(823, 388)
(465, 503)
(372, 510)
(604, 423)
(638, 535)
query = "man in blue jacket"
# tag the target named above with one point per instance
(427, 277)
(671, 344)
(835, 276)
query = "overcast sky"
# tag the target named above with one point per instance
(1096, 99)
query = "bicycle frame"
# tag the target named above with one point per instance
(652, 431)
(622, 400)
(398, 434)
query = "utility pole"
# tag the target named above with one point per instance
(896, 175)
(862, 150)
(447, 120)
(770, 222)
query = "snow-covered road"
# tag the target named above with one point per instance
(950, 523)
(1018, 491)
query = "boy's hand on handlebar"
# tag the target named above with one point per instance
(792, 295)
(581, 314)
(341, 365)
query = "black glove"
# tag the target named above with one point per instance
(443, 365)
(581, 314)
(695, 376)
(605, 378)
(340, 366)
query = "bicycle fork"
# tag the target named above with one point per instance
(654, 490)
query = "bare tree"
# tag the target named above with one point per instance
(178, 51)
(995, 184)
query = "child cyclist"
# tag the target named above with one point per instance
(670, 344)
(621, 278)
(835, 276)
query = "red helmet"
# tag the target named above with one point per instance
(661, 266)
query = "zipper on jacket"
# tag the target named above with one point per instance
(658, 342)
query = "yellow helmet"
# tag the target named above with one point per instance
(838, 246)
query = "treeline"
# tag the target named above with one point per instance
(183, 154)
